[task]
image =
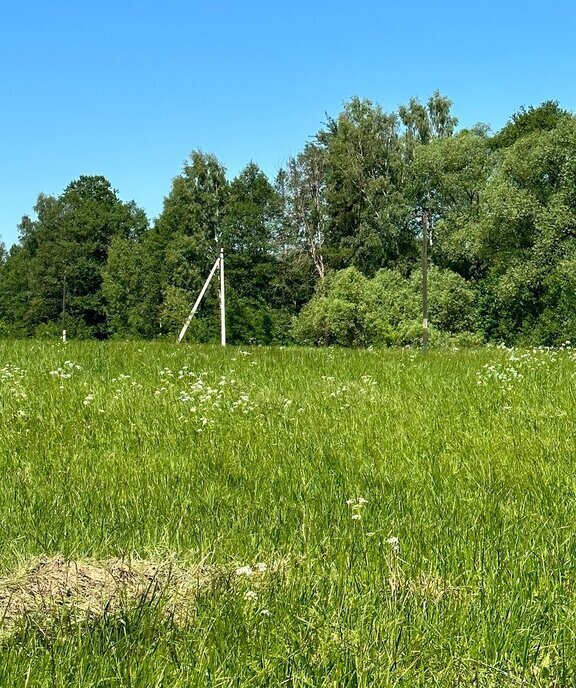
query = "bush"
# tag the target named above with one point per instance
(352, 310)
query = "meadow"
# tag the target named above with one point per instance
(197, 516)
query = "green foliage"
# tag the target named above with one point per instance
(425, 123)
(556, 322)
(367, 205)
(343, 313)
(352, 310)
(502, 223)
(527, 231)
(545, 117)
(448, 177)
(196, 201)
(133, 286)
(301, 191)
(70, 237)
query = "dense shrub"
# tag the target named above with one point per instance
(352, 310)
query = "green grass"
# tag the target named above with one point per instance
(471, 468)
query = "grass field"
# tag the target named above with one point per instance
(192, 516)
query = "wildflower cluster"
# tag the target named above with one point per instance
(356, 506)
(204, 398)
(250, 571)
(498, 372)
(11, 378)
(66, 371)
(252, 596)
(351, 392)
(519, 365)
(124, 381)
(121, 378)
(11, 372)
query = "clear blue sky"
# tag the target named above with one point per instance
(127, 89)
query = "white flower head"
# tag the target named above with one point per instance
(244, 571)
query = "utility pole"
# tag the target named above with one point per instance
(64, 310)
(424, 281)
(222, 301)
(218, 265)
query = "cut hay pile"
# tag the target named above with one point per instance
(49, 586)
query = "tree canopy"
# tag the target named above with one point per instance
(328, 251)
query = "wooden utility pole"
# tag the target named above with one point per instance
(222, 301)
(218, 265)
(424, 281)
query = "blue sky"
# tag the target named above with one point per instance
(127, 89)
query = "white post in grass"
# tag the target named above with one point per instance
(64, 310)
(222, 301)
(197, 302)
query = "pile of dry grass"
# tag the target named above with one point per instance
(48, 586)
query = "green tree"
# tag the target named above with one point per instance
(249, 229)
(131, 289)
(545, 117)
(365, 175)
(350, 309)
(14, 292)
(185, 240)
(449, 176)
(70, 237)
(528, 229)
(423, 123)
(306, 213)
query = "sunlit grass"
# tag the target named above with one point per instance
(417, 515)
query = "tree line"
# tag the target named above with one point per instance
(329, 251)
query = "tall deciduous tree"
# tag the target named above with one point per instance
(423, 123)
(449, 175)
(528, 232)
(527, 120)
(304, 189)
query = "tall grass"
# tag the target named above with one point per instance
(417, 515)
